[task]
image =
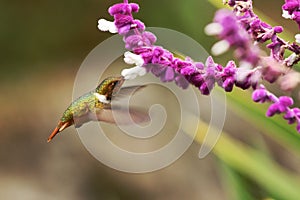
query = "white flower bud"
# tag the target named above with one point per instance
(213, 29)
(286, 15)
(104, 25)
(131, 58)
(220, 47)
(133, 72)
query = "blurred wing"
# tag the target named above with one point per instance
(128, 91)
(80, 120)
(118, 115)
(122, 116)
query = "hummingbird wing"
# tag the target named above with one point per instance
(117, 115)
(128, 91)
(122, 116)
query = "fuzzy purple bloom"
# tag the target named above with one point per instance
(260, 95)
(134, 41)
(293, 9)
(263, 32)
(228, 78)
(292, 115)
(122, 12)
(181, 82)
(123, 8)
(236, 36)
(279, 105)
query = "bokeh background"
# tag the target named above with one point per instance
(43, 44)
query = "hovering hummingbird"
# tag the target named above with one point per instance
(96, 106)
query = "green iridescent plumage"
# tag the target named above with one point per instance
(79, 111)
(81, 106)
(89, 102)
(110, 86)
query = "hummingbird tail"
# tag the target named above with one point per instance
(60, 127)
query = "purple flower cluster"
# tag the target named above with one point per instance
(204, 76)
(165, 65)
(237, 37)
(132, 29)
(162, 63)
(238, 31)
(141, 42)
(263, 32)
(123, 17)
(278, 106)
(272, 67)
(292, 8)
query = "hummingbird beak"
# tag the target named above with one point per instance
(60, 127)
(55, 131)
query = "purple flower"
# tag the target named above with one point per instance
(135, 41)
(188, 70)
(166, 74)
(231, 30)
(260, 95)
(227, 77)
(292, 9)
(123, 8)
(280, 107)
(122, 12)
(236, 36)
(262, 32)
(196, 79)
(181, 81)
(286, 101)
(228, 84)
(292, 115)
(169, 75)
(146, 53)
(277, 51)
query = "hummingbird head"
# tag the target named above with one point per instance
(110, 86)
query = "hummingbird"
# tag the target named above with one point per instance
(96, 106)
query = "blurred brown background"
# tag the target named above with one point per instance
(42, 46)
